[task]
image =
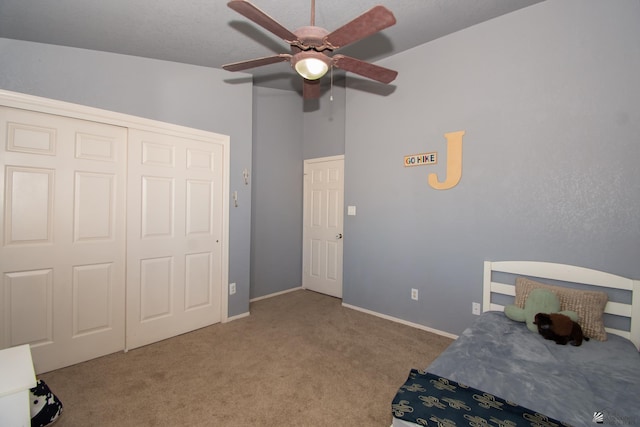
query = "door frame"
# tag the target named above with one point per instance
(304, 215)
(77, 111)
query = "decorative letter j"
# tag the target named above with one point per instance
(454, 162)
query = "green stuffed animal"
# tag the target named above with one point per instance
(539, 301)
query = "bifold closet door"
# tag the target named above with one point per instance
(62, 255)
(174, 236)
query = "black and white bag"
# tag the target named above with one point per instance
(45, 406)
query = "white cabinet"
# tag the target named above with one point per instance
(16, 378)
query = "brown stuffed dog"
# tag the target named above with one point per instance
(559, 328)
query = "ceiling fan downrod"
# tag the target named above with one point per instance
(313, 13)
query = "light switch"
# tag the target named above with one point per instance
(351, 210)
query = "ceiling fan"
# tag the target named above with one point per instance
(311, 46)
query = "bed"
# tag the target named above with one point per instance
(502, 367)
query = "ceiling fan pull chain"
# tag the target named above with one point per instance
(331, 86)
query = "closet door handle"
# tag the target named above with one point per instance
(339, 236)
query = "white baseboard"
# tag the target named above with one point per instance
(236, 317)
(275, 294)
(404, 322)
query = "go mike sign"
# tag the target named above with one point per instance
(421, 159)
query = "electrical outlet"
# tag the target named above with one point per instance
(475, 308)
(232, 288)
(414, 294)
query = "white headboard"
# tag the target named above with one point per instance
(567, 273)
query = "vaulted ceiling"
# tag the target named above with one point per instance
(208, 33)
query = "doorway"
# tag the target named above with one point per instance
(323, 225)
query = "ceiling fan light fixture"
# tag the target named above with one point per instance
(311, 65)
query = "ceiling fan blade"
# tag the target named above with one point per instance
(310, 89)
(370, 22)
(258, 62)
(251, 12)
(365, 69)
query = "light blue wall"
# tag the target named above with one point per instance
(287, 130)
(324, 124)
(276, 236)
(197, 97)
(549, 99)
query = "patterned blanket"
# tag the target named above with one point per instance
(430, 400)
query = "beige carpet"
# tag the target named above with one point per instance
(300, 359)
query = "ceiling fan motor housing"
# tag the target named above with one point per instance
(310, 37)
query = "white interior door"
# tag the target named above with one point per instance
(62, 254)
(174, 236)
(323, 220)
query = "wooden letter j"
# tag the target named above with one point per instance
(454, 162)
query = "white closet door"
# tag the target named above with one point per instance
(62, 255)
(174, 236)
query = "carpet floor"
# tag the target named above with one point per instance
(299, 359)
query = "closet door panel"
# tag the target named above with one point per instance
(174, 236)
(62, 259)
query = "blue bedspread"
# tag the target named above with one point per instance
(571, 384)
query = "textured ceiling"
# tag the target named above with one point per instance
(208, 33)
